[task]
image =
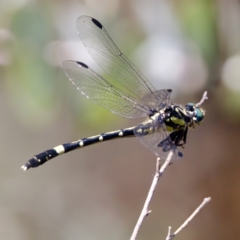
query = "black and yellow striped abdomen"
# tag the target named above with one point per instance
(43, 157)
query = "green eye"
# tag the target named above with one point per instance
(199, 114)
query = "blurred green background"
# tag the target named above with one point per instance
(98, 192)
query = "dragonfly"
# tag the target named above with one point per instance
(129, 95)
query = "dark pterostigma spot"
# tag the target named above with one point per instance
(82, 64)
(97, 23)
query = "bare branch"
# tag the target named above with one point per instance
(171, 236)
(159, 171)
(169, 233)
(204, 97)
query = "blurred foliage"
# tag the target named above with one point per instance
(29, 78)
(199, 20)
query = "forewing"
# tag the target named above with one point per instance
(99, 91)
(105, 52)
(157, 100)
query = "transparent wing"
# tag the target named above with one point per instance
(99, 91)
(154, 136)
(157, 100)
(104, 51)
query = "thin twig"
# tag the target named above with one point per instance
(159, 171)
(204, 97)
(190, 218)
(169, 233)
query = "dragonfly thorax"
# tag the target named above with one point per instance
(174, 118)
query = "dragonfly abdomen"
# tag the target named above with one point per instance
(43, 157)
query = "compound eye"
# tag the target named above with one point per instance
(190, 107)
(198, 114)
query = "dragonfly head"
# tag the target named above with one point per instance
(195, 113)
